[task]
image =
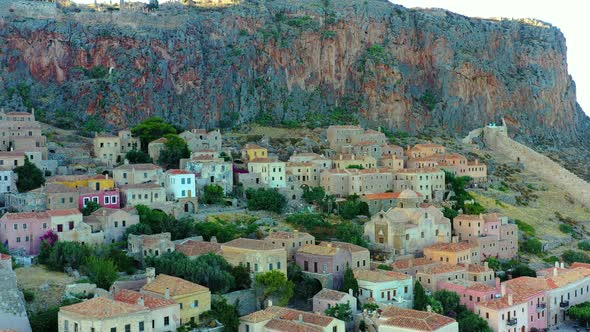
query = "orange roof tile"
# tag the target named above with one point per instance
(345, 245)
(412, 262)
(330, 295)
(197, 248)
(414, 319)
(313, 249)
(102, 307)
(250, 244)
(176, 285)
(382, 196)
(452, 247)
(380, 275)
(133, 297)
(275, 312)
(5, 257)
(290, 326)
(443, 268)
(287, 235)
(178, 171)
(63, 213)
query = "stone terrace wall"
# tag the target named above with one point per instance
(497, 139)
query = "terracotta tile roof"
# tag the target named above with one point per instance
(330, 295)
(253, 146)
(350, 156)
(492, 217)
(197, 248)
(54, 188)
(313, 249)
(106, 211)
(150, 240)
(503, 302)
(412, 262)
(300, 164)
(419, 170)
(63, 213)
(414, 319)
(380, 275)
(5, 257)
(452, 247)
(102, 307)
(12, 154)
(176, 285)
(178, 171)
(568, 277)
(264, 160)
(275, 312)
(577, 264)
(382, 196)
(290, 326)
(133, 297)
(443, 268)
(159, 140)
(524, 287)
(139, 167)
(25, 215)
(365, 143)
(468, 217)
(288, 235)
(249, 244)
(427, 146)
(476, 268)
(353, 248)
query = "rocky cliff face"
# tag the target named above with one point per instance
(315, 60)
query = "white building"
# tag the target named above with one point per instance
(180, 184)
(385, 287)
(272, 172)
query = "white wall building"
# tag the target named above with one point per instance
(180, 184)
(272, 172)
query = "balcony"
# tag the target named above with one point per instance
(564, 304)
(512, 322)
(541, 307)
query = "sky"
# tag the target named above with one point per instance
(568, 15)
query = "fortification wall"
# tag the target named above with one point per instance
(497, 139)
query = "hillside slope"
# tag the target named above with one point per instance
(290, 60)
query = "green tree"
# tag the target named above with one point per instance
(175, 149)
(29, 176)
(571, 256)
(101, 272)
(420, 297)
(65, 254)
(328, 204)
(523, 270)
(351, 232)
(242, 276)
(213, 194)
(313, 195)
(46, 320)
(355, 167)
(450, 301)
(138, 157)
(274, 285)
(580, 312)
(152, 129)
(350, 282)
(266, 199)
(470, 322)
(294, 273)
(532, 246)
(90, 207)
(341, 311)
(225, 313)
(370, 306)
(384, 267)
(494, 263)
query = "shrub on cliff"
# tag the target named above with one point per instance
(152, 129)
(29, 176)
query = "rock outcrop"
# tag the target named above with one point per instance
(320, 61)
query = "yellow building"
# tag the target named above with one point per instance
(97, 182)
(453, 253)
(193, 299)
(253, 151)
(257, 255)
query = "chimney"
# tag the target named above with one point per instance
(341, 156)
(562, 265)
(150, 274)
(301, 318)
(213, 239)
(167, 294)
(510, 301)
(485, 264)
(556, 264)
(455, 239)
(269, 303)
(140, 301)
(350, 292)
(429, 308)
(503, 289)
(126, 162)
(555, 272)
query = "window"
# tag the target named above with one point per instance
(279, 265)
(107, 200)
(116, 224)
(113, 199)
(66, 325)
(256, 267)
(15, 226)
(113, 329)
(270, 266)
(166, 321)
(195, 304)
(18, 239)
(71, 225)
(128, 328)
(141, 327)
(123, 223)
(124, 175)
(180, 306)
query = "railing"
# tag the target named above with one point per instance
(564, 304)
(512, 322)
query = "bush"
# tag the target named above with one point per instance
(525, 228)
(266, 199)
(138, 157)
(29, 295)
(213, 194)
(532, 246)
(570, 256)
(384, 267)
(101, 272)
(584, 245)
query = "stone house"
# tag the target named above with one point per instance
(380, 201)
(253, 151)
(507, 313)
(396, 319)
(324, 263)
(328, 298)
(210, 171)
(481, 273)
(425, 150)
(453, 253)
(304, 173)
(272, 171)
(275, 318)
(7, 183)
(471, 293)
(192, 298)
(200, 139)
(430, 182)
(365, 148)
(102, 314)
(20, 131)
(150, 245)
(21, 232)
(339, 136)
(156, 147)
(180, 184)
(138, 173)
(391, 162)
(430, 277)
(408, 228)
(346, 161)
(257, 256)
(111, 149)
(112, 222)
(11, 159)
(291, 241)
(309, 157)
(360, 257)
(411, 266)
(534, 296)
(30, 201)
(164, 313)
(143, 193)
(385, 287)
(59, 197)
(345, 182)
(69, 226)
(194, 249)
(392, 150)
(492, 232)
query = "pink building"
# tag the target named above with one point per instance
(22, 231)
(470, 292)
(110, 198)
(535, 296)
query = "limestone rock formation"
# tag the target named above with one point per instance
(315, 60)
